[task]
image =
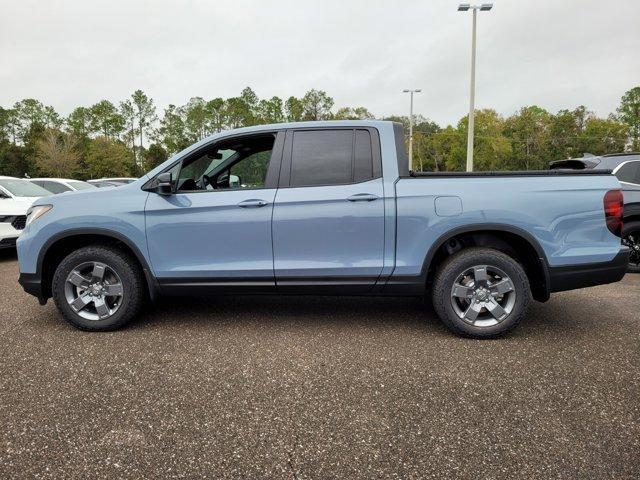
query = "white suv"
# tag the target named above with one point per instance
(16, 196)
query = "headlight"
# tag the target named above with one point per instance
(36, 212)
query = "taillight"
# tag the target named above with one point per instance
(613, 205)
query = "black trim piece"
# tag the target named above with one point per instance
(522, 173)
(8, 242)
(630, 210)
(336, 285)
(213, 286)
(151, 280)
(32, 284)
(590, 274)
(401, 151)
(339, 285)
(483, 227)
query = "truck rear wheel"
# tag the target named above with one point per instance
(98, 288)
(481, 293)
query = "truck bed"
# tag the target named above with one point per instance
(519, 173)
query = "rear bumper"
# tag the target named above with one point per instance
(590, 274)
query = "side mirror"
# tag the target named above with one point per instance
(164, 184)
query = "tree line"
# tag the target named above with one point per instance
(130, 138)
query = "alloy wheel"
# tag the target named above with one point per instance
(94, 290)
(483, 295)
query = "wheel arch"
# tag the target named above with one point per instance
(63, 243)
(506, 238)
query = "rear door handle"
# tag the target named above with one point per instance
(253, 203)
(363, 197)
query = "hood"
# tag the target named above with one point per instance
(16, 205)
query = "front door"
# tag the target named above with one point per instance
(214, 232)
(328, 218)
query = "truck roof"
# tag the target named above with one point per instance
(316, 124)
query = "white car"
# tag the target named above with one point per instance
(111, 182)
(59, 185)
(16, 196)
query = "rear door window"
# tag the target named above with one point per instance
(321, 157)
(331, 157)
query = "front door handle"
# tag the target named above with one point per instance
(363, 197)
(253, 203)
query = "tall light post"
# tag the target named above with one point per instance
(464, 7)
(411, 124)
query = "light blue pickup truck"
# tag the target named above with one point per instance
(324, 208)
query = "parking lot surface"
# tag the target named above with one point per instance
(316, 387)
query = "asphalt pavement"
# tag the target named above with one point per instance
(318, 387)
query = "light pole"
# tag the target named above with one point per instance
(406, 90)
(464, 7)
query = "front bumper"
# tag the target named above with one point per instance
(589, 274)
(8, 235)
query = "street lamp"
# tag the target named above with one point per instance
(464, 7)
(411, 124)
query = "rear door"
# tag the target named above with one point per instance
(328, 218)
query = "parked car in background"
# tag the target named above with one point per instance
(111, 182)
(16, 196)
(325, 208)
(625, 166)
(60, 185)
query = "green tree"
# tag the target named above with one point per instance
(79, 122)
(108, 158)
(197, 119)
(172, 130)
(491, 149)
(237, 112)
(528, 131)
(32, 117)
(154, 156)
(106, 120)
(270, 111)
(604, 135)
(348, 113)
(145, 112)
(57, 154)
(629, 114)
(294, 109)
(316, 105)
(216, 112)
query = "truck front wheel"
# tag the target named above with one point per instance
(481, 293)
(98, 288)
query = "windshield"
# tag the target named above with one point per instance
(77, 185)
(23, 188)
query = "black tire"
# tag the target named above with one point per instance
(450, 271)
(127, 269)
(631, 234)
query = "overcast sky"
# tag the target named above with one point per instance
(553, 53)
